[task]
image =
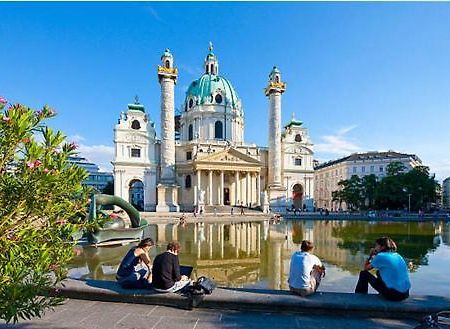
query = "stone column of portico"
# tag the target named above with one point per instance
(199, 186)
(221, 194)
(258, 189)
(248, 190)
(210, 189)
(236, 178)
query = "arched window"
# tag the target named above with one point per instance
(218, 130)
(135, 125)
(167, 64)
(191, 103)
(211, 69)
(187, 182)
(298, 138)
(218, 98)
(277, 78)
(190, 133)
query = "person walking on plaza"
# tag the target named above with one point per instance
(134, 270)
(306, 271)
(166, 270)
(242, 208)
(392, 279)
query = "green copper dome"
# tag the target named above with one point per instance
(205, 89)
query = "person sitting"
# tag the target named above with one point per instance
(306, 271)
(392, 279)
(166, 270)
(134, 270)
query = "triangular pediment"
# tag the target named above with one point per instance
(228, 156)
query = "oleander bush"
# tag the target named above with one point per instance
(42, 204)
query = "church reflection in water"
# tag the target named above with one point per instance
(244, 254)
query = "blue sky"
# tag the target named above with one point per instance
(361, 76)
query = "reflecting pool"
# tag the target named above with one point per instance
(257, 254)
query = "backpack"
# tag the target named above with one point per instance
(204, 285)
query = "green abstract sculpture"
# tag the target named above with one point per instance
(114, 229)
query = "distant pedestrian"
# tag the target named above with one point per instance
(392, 279)
(232, 211)
(195, 211)
(215, 211)
(242, 208)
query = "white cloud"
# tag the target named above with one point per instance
(102, 155)
(338, 144)
(75, 138)
(195, 71)
(154, 13)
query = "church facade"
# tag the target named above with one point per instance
(201, 158)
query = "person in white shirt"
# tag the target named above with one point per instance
(306, 271)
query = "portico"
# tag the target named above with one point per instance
(228, 178)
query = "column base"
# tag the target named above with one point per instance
(277, 198)
(167, 198)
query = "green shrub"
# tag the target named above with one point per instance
(42, 203)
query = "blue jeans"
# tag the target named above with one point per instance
(136, 280)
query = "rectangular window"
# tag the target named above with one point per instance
(188, 155)
(135, 153)
(354, 169)
(372, 168)
(381, 168)
(363, 169)
(298, 161)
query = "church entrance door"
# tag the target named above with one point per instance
(226, 196)
(136, 194)
(297, 196)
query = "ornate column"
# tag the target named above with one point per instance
(273, 91)
(167, 188)
(210, 188)
(199, 186)
(221, 194)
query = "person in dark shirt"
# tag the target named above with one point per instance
(166, 270)
(134, 270)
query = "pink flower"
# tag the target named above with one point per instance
(51, 112)
(73, 146)
(3, 101)
(46, 170)
(37, 163)
(6, 119)
(30, 164)
(61, 221)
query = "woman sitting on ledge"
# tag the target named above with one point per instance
(392, 280)
(134, 270)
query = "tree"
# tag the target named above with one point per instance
(369, 186)
(109, 188)
(42, 203)
(350, 192)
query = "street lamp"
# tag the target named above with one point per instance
(409, 199)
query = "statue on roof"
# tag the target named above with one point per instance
(210, 48)
(136, 99)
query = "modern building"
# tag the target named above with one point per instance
(327, 175)
(97, 179)
(201, 158)
(446, 193)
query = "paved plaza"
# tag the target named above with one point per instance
(106, 315)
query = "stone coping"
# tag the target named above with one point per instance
(273, 301)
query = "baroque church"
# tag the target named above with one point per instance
(201, 160)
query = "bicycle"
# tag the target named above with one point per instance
(437, 320)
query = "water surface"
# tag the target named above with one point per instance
(257, 254)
